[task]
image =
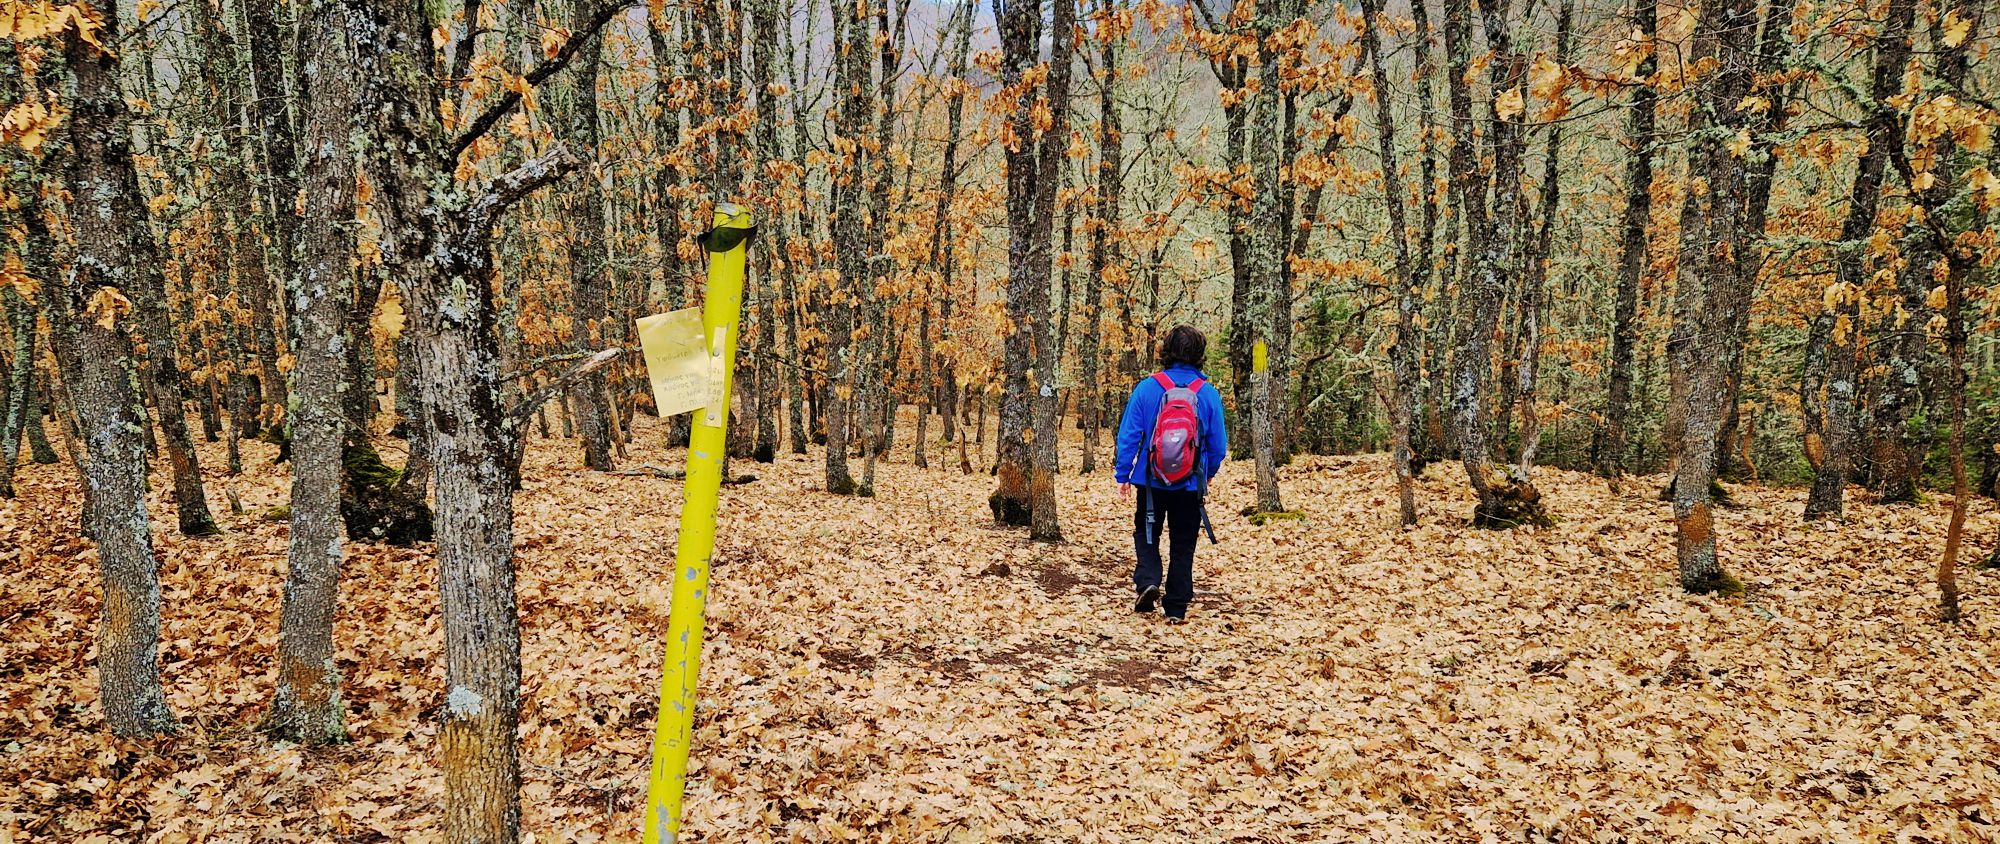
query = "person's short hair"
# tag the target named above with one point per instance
(1184, 344)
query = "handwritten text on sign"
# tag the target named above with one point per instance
(677, 360)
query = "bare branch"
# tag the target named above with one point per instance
(539, 364)
(520, 412)
(512, 187)
(461, 54)
(506, 104)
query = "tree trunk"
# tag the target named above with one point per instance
(1895, 451)
(438, 241)
(924, 385)
(877, 384)
(1503, 502)
(1267, 252)
(589, 258)
(147, 287)
(1958, 261)
(156, 326)
(1432, 372)
(722, 43)
(1840, 325)
(1047, 423)
(1989, 467)
(1403, 355)
(1898, 452)
(1612, 448)
(1062, 289)
(41, 403)
(245, 213)
(415, 481)
(1241, 381)
(1506, 74)
(1961, 490)
(933, 394)
(1709, 291)
(853, 81)
(113, 253)
(278, 132)
(1105, 254)
(375, 504)
(795, 382)
(871, 401)
(20, 387)
(763, 45)
(1231, 75)
(798, 264)
(307, 706)
(675, 248)
(947, 380)
(1293, 233)
(239, 391)
(1027, 288)
(1535, 267)
(1758, 174)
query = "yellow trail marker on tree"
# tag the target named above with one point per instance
(727, 244)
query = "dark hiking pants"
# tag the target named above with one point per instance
(1179, 512)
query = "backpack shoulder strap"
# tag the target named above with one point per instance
(1196, 385)
(1166, 382)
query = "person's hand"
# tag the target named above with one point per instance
(1125, 491)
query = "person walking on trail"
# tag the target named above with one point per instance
(1170, 444)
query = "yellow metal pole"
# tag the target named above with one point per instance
(727, 244)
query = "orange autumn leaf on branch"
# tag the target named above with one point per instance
(106, 306)
(28, 124)
(15, 275)
(22, 20)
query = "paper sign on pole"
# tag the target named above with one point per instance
(677, 360)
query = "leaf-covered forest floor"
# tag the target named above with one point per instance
(899, 669)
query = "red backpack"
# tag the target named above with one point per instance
(1176, 445)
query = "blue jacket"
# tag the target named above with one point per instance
(1135, 433)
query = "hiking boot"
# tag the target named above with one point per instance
(1176, 619)
(1148, 599)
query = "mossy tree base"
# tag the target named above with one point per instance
(199, 526)
(290, 722)
(1420, 461)
(1513, 504)
(1012, 501)
(1719, 583)
(1716, 493)
(1261, 519)
(280, 437)
(371, 503)
(1009, 510)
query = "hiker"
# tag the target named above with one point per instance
(1169, 445)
